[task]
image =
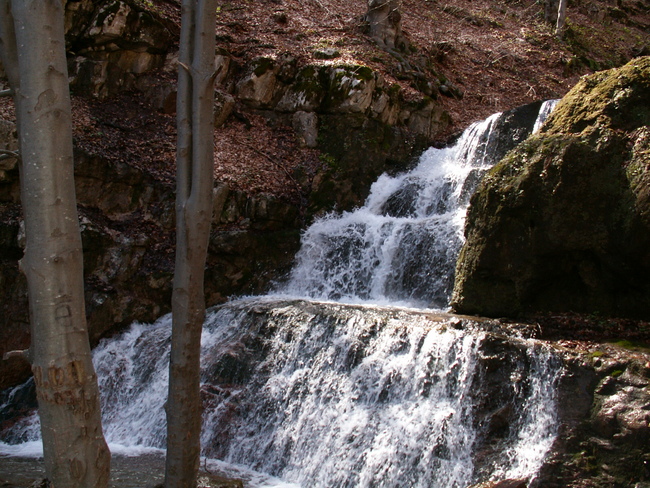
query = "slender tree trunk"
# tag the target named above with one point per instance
(561, 19)
(385, 22)
(33, 52)
(195, 167)
(550, 11)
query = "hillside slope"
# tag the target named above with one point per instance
(496, 55)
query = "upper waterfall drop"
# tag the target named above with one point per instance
(401, 246)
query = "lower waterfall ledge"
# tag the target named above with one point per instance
(326, 394)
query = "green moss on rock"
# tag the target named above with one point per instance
(619, 99)
(349, 88)
(347, 139)
(562, 223)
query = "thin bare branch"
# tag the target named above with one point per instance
(185, 67)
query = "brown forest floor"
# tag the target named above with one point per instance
(500, 53)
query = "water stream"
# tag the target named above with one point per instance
(401, 246)
(373, 392)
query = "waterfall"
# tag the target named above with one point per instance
(401, 246)
(544, 111)
(325, 394)
(321, 394)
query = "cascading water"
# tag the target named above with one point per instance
(401, 246)
(332, 395)
(324, 394)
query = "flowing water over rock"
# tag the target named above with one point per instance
(401, 246)
(322, 394)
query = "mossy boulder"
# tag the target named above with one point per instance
(350, 89)
(306, 93)
(562, 223)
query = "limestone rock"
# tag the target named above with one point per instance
(605, 440)
(386, 106)
(224, 104)
(110, 43)
(327, 53)
(109, 22)
(305, 93)
(428, 119)
(126, 220)
(257, 87)
(160, 95)
(563, 222)
(222, 65)
(356, 149)
(350, 89)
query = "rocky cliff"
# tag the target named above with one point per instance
(562, 223)
(604, 435)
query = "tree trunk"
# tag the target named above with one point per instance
(385, 22)
(561, 19)
(550, 11)
(195, 167)
(33, 52)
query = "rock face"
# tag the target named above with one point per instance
(562, 223)
(126, 219)
(110, 43)
(362, 124)
(604, 430)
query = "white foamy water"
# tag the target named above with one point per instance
(321, 394)
(545, 110)
(401, 246)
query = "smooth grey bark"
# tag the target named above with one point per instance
(555, 14)
(561, 19)
(385, 22)
(33, 54)
(195, 167)
(550, 11)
